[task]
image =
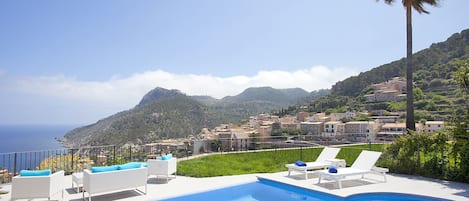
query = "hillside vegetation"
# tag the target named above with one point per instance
(437, 95)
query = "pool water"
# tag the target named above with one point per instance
(266, 190)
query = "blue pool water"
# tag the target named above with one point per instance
(266, 190)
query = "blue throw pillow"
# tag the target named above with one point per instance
(332, 169)
(300, 163)
(167, 157)
(104, 169)
(129, 166)
(141, 164)
(30, 173)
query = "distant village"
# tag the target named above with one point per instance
(317, 127)
(336, 128)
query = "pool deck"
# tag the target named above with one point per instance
(158, 188)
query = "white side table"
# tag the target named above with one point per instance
(337, 162)
(77, 178)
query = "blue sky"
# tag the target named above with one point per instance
(75, 62)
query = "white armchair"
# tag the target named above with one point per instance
(28, 187)
(160, 167)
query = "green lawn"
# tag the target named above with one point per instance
(260, 161)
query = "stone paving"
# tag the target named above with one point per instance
(159, 189)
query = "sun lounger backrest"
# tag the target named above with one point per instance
(327, 153)
(366, 160)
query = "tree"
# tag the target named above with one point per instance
(462, 75)
(418, 6)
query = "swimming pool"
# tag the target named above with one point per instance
(267, 190)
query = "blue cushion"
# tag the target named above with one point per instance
(142, 164)
(129, 166)
(104, 169)
(167, 157)
(300, 163)
(332, 169)
(35, 172)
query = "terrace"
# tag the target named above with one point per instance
(74, 160)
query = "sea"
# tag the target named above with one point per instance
(24, 139)
(21, 138)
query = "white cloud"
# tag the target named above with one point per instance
(70, 100)
(125, 92)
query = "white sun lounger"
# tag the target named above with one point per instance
(320, 163)
(364, 164)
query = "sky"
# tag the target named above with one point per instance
(75, 62)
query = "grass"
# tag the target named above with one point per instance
(261, 161)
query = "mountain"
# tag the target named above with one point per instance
(164, 113)
(207, 100)
(157, 94)
(176, 115)
(268, 94)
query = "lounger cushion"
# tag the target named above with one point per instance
(300, 163)
(30, 173)
(332, 169)
(104, 168)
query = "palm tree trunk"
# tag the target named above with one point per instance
(410, 122)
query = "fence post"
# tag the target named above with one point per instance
(71, 150)
(14, 165)
(114, 154)
(130, 150)
(301, 152)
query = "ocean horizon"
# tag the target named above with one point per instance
(25, 138)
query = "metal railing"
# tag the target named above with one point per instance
(77, 159)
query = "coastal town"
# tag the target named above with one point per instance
(375, 126)
(335, 128)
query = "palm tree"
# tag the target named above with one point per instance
(418, 6)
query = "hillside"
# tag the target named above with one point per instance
(437, 95)
(163, 114)
(430, 63)
(169, 117)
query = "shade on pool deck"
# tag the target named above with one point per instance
(159, 189)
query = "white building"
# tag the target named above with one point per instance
(433, 126)
(340, 116)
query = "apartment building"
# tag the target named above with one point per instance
(289, 125)
(333, 129)
(385, 95)
(316, 117)
(361, 131)
(233, 140)
(312, 128)
(302, 116)
(389, 131)
(341, 116)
